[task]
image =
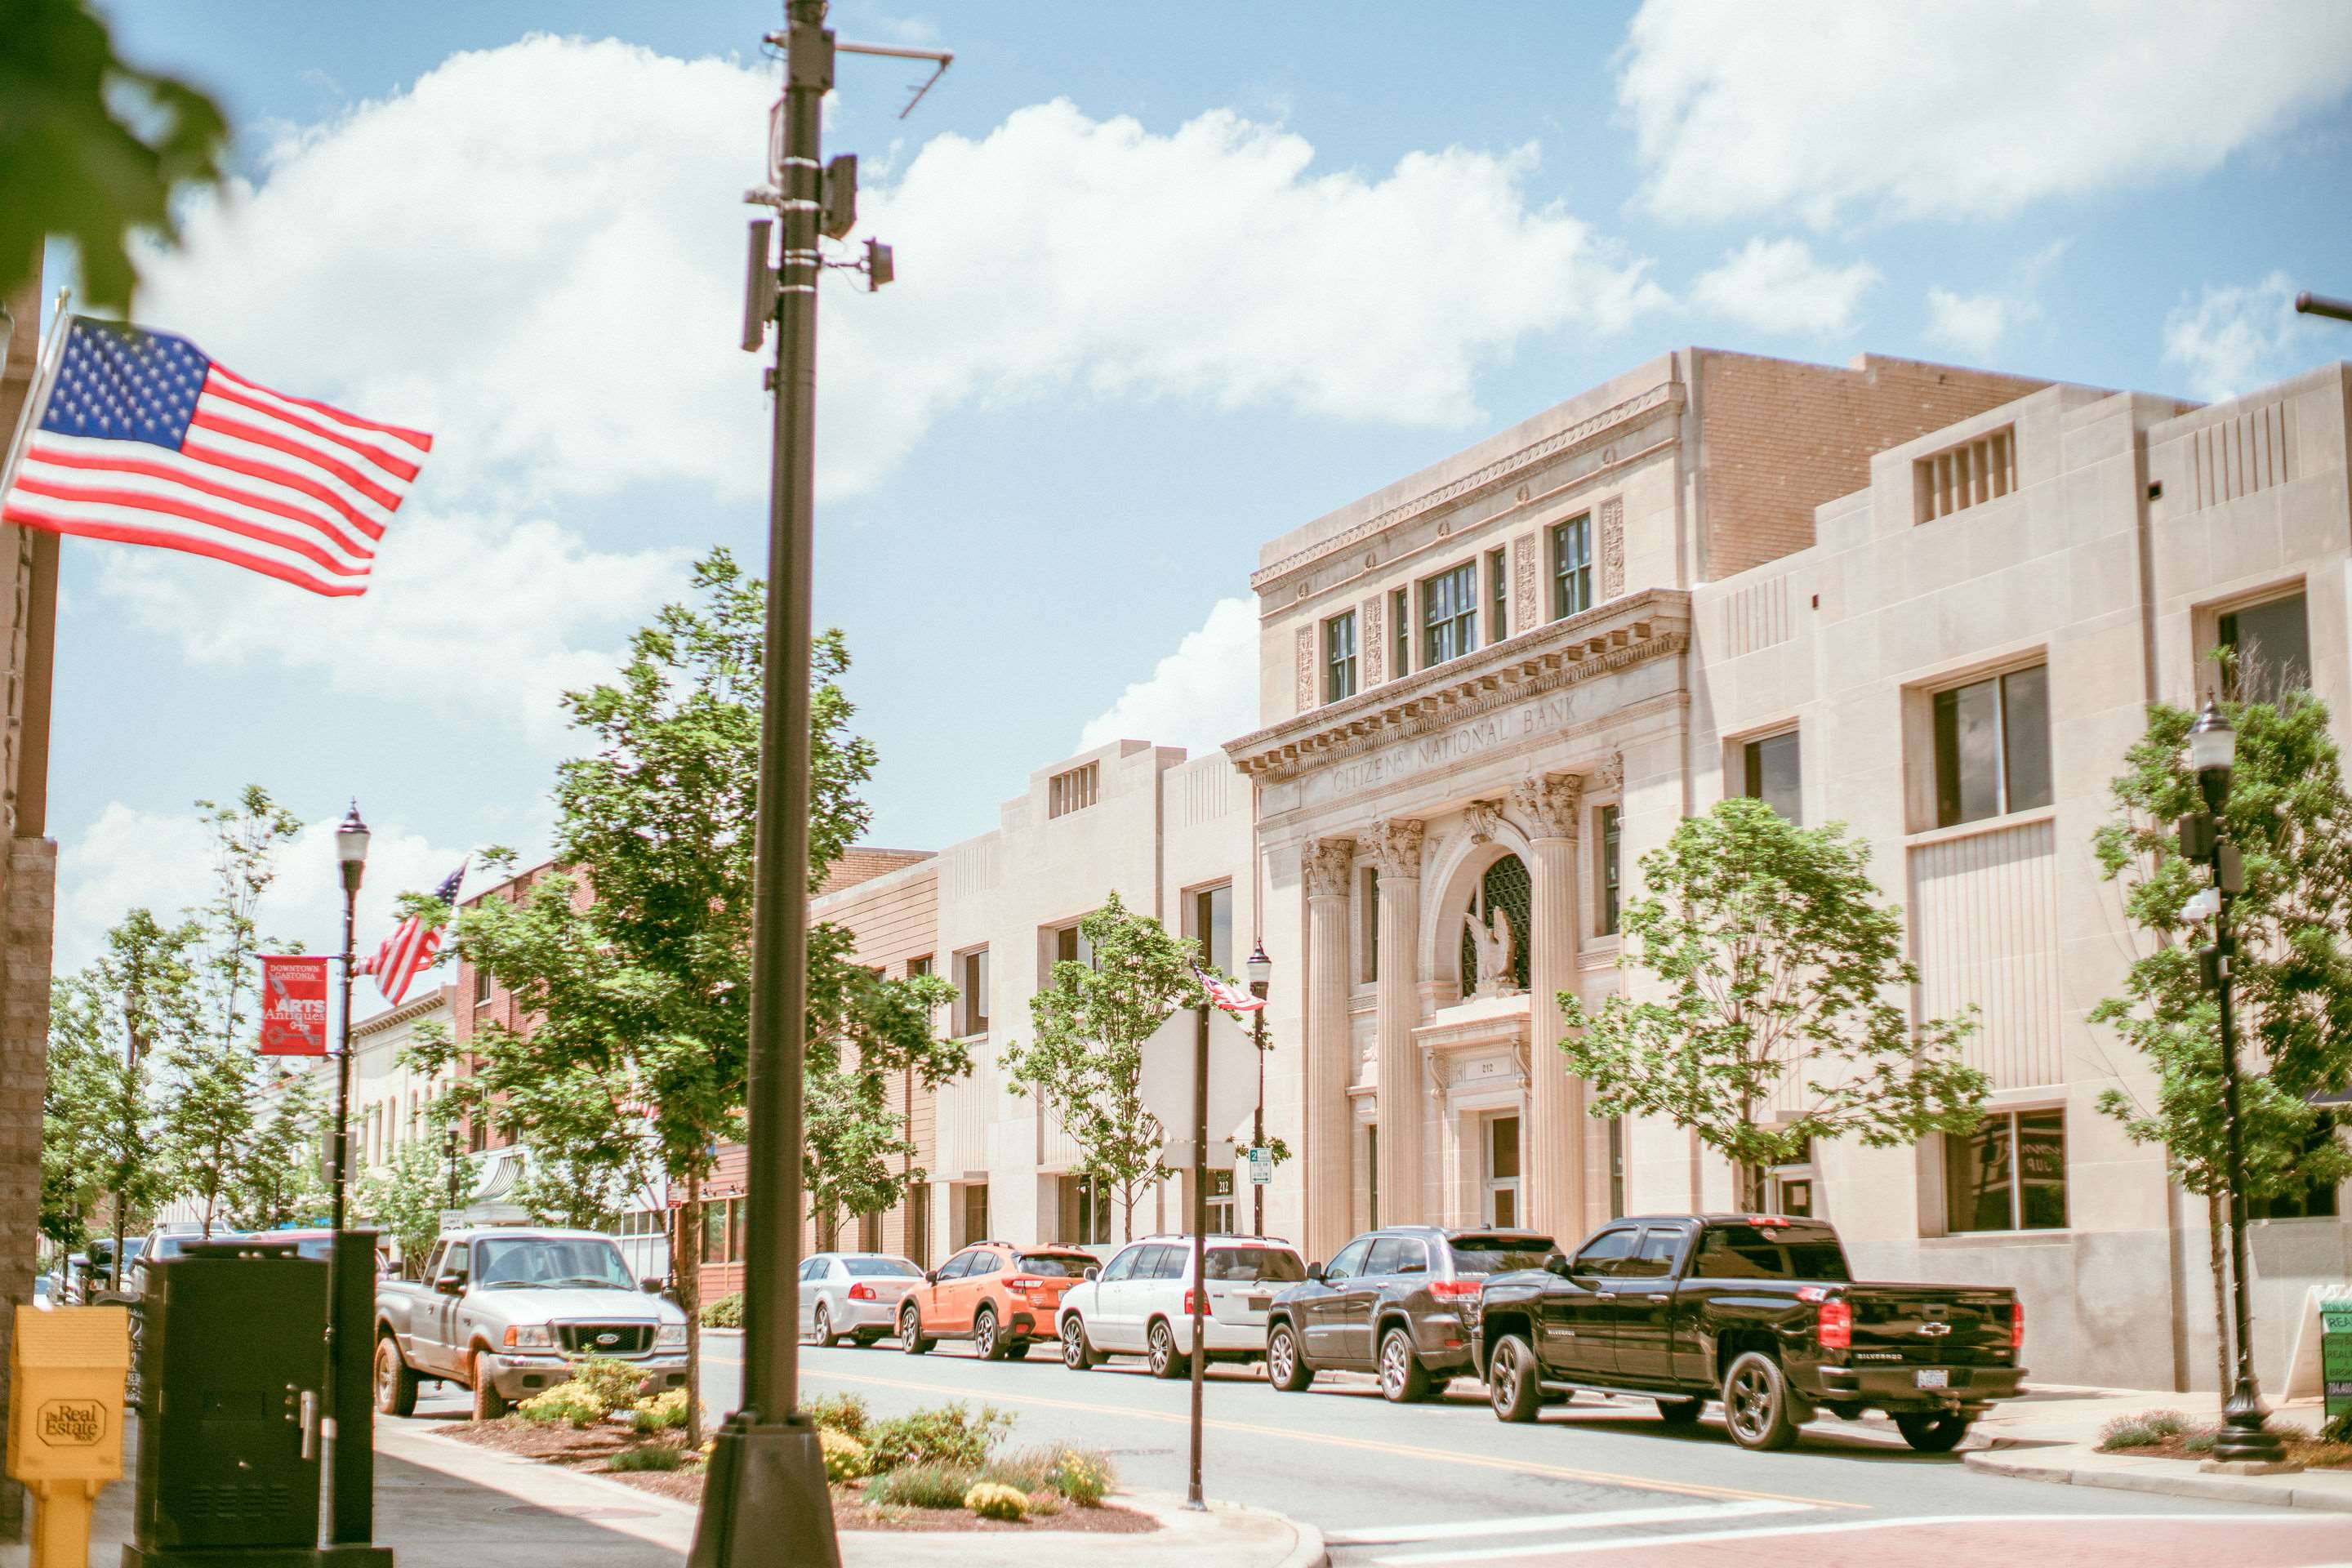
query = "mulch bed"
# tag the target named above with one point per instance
(591, 1451)
(2310, 1452)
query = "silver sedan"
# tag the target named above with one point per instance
(853, 1295)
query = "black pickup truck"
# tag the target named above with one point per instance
(1759, 1311)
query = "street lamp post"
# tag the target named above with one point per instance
(2213, 752)
(1261, 974)
(351, 857)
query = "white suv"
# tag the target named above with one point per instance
(1141, 1303)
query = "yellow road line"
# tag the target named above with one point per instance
(1367, 1445)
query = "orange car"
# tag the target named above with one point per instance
(1000, 1297)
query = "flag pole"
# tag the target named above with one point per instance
(36, 399)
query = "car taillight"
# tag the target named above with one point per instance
(862, 1291)
(1452, 1289)
(1834, 1328)
(1190, 1304)
(2017, 1326)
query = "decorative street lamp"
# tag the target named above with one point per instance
(1261, 976)
(351, 856)
(2212, 754)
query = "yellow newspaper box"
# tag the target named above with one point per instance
(65, 1372)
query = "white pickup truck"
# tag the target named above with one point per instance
(505, 1312)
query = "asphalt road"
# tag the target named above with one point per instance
(1598, 1482)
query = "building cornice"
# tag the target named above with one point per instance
(1625, 632)
(377, 1024)
(1584, 433)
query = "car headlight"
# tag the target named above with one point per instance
(670, 1337)
(521, 1338)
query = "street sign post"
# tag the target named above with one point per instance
(2336, 1356)
(1261, 1163)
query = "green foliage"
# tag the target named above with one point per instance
(942, 1435)
(575, 1195)
(647, 1456)
(1078, 1474)
(989, 1500)
(274, 1175)
(563, 1403)
(2339, 1428)
(405, 1197)
(846, 1459)
(2291, 817)
(1773, 965)
(660, 1411)
(2200, 1441)
(1091, 1021)
(727, 1312)
(842, 1412)
(921, 1486)
(608, 1380)
(91, 148)
(2144, 1430)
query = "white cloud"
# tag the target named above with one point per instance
(468, 616)
(129, 858)
(1977, 324)
(1778, 286)
(1199, 697)
(2234, 337)
(1959, 110)
(536, 252)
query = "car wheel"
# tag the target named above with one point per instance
(1756, 1406)
(825, 1338)
(1285, 1364)
(1165, 1361)
(1680, 1411)
(1076, 1355)
(490, 1404)
(984, 1337)
(1512, 1385)
(1403, 1380)
(395, 1384)
(911, 1331)
(1932, 1431)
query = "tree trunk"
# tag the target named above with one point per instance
(2221, 1264)
(686, 1274)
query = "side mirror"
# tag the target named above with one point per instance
(1317, 1272)
(1557, 1263)
(450, 1284)
(1091, 1274)
(930, 1276)
(650, 1285)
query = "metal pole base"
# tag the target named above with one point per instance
(764, 1501)
(2243, 1437)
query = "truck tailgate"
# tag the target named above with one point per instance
(1941, 1325)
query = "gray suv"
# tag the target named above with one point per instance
(1402, 1301)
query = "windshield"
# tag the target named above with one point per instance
(548, 1261)
(1055, 1265)
(880, 1268)
(1270, 1265)
(1499, 1253)
(1752, 1252)
(167, 1247)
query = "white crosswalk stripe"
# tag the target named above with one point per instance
(1547, 1524)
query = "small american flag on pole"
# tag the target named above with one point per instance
(411, 946)
(1227, 995)
(142, 440)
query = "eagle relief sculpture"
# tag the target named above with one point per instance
(1494, 951)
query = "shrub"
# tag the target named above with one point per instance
(646, 1456)
(946, 1435)
(2200, 1441)
(842, 1412)
(991, 1501)
(1075, 1474)
(844, 1455)
(606, 1381)
(2144, 1430)
(2338, 1430)
(727, 1312)
(921, 1486)
(564, 1402)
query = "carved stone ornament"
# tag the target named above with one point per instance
(1372, 649)
(1306, 668)
(1327, 862)
(1523, 582)
(1396, 846)
(1483, 816)
(1612, 547)
(1493, 944)
(1548, 804)
(1608, 778)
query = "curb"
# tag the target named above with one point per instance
(1309, 1551)
(2001, 1460)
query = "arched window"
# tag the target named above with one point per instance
(1505, 888)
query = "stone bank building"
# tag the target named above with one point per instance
(1928, 601)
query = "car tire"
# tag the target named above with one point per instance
(1513, 1384)
(1403, 1380)
(911, 1331)
(1680, 1411)
(1286, 1361)
(823, 1326)
(1077, 1354)
(395, 1381)
(490, 1404)
(1760, 1410)
(1932, 1431)
(986, 1338)
(1166, 1362)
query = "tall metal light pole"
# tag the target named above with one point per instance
(1261, 975)
(2213, 752)
(351, 857)
(2309, 305)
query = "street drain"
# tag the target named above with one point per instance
(581, 1510)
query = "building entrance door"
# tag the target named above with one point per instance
(1502, 1208)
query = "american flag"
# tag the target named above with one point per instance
(1226, 993)
(411, 946)
(145, 440)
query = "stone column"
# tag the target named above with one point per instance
(1396, 844)
(1555, 1126)
(1328, 1159)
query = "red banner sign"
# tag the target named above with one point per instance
(293, 1006)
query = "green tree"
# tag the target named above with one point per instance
(857, 1151)
(406, 1197)
(275, 1177)
(2291, 817)
(91, 148)
(1087, 1058)
(1779, 1011)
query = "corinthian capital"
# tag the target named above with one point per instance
(1548, 804)
(1396, 845)
(1327, 862)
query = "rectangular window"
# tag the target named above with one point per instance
(1071, 946)
(1372, 1174)
(1609, 857)
(919, 1224)
(1449, 615)
(1502, 1170)
(1616, 1167)
(1772, 774)
(2308, 1203)
(1212, 926)
(976, 1213)
(481, 987)
(1339, 656)
(971, 994)
(919, 967)
(2010, 1175)
(1221, 1206)
(737, 1208)
(1372, 907)
(2269, 648)
(1400, 636)
(1072, 791)
(1572, 567)
(1992, 747)
(713, 1218)
(1498, 597)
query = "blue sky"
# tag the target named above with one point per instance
(1174, 279)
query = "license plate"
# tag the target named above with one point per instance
(1934, 1377)
(1260, 1303)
